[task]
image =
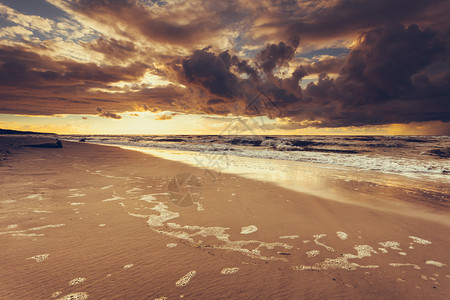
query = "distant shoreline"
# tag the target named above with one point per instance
(10, 131)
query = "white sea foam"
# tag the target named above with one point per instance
(228, 271)
(171, 245)
(76, 281)
(56, 294)
(395, 157)
(391, 244)
(316, 240)
(75, 296)
(419, 240)
(248, 229)
(435, 263)
(199, 206)
(129, 266)
(225, 244)
(342, 261)
(40, 257)
(148, 198)
(164, 215)
(313, 253)
(342, 235)
(42, 211)
(27, 234)
(75, 195)
(405, 265)
(183, 281)
(12, 226)
(107, 187)
(9, 201)
(134, 190)
(113, 198)
(32, 229)
(289, 237)
(38, 197)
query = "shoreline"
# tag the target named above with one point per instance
(341, 184)
(84, 186)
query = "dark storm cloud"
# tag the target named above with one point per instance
(276, 55)
(213, 73)
(382, 80)
(350, 16)
(327, 65)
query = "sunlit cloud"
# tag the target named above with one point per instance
(319, 66)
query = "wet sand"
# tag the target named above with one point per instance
(96, 222)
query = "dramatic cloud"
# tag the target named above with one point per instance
(314, 63)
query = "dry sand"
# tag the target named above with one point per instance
(95, 222)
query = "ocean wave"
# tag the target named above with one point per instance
(387, 154)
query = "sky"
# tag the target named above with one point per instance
(203, 67)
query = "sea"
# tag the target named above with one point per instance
(408, 155)
(414, 168)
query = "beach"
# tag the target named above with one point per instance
(99, 222)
